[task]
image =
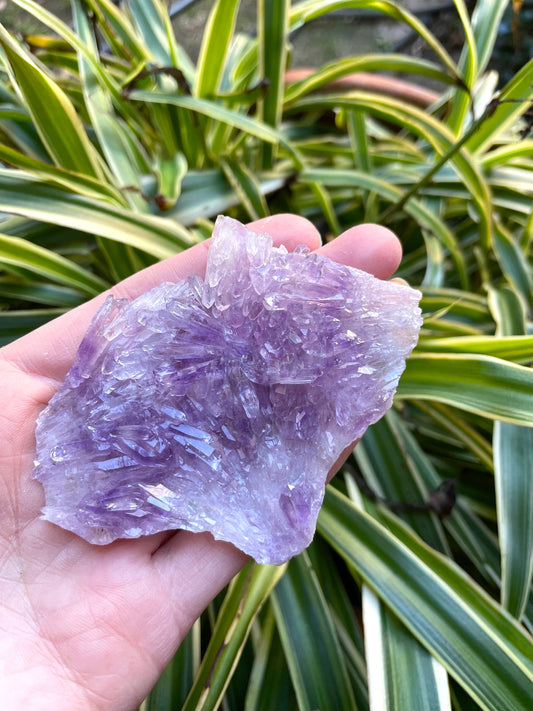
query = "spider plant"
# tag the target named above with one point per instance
(118, 150)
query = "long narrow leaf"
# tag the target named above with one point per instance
(423, 125)
(77, 182)
(22, 253)
(273, 22)
(481, 384)
(364, 63)
(468, 65)
(156, 236)
(513, 469)
(220, 113)
(513, 102)
(100, 108)
(362, 179)
(401, 674)
(54, 117)
(318, 672)
(474, 639)
(311, 9)
(516, 348)
(215, 43)
(243, 601)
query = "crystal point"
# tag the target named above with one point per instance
(220, 404)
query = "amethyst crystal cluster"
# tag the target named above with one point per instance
(220, 404)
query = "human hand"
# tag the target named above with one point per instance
(84, 627)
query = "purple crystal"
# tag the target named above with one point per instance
(221, 404)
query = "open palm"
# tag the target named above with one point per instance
(84, 627)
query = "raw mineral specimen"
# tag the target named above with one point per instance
(220, 404)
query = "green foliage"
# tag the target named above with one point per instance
(117, 151)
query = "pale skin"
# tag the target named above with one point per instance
(88, 628)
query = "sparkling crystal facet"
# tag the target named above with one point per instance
(220, 404)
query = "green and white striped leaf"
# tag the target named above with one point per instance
(331, 177)
(448, 613)
(365, 63)
(220, 113)
(76, 182)
(513, 470)
(22, 253)
(244, 598)
(311, 9)
(309, 640)
(513, 263)
(156, 236)
(216, 40)
(40, 293)
(513, 102)
(15, 324)
(468, 64)
(109, 131)
(487, 386)
(401, 673)
(273, 31)
(518, 349)
(486, 20)
(54, 117)
(382, 458)
(176, 680)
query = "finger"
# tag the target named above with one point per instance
(291, 230)
(50, 350)
(372, 248)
